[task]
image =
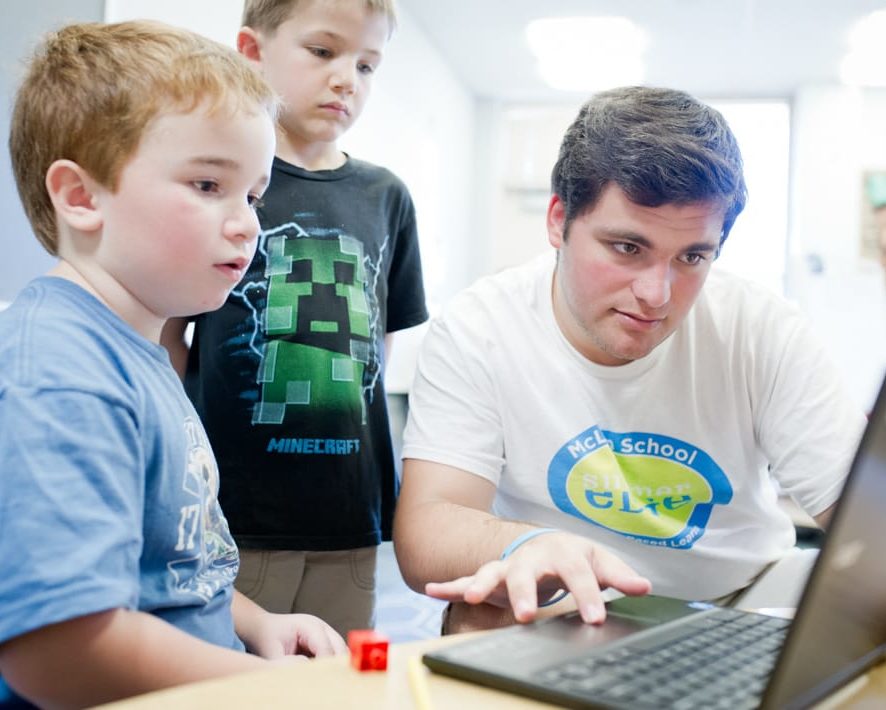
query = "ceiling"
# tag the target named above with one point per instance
(712, 48)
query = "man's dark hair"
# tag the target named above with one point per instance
(659, 146)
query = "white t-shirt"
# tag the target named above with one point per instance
(665, 460)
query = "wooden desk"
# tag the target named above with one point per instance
(332, 683)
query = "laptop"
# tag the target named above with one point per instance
(659, 652)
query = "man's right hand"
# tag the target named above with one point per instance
(537, 569)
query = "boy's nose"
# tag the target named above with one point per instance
(243, 225)
(344, 77)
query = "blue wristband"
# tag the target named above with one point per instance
(525, 537)
(562, 594)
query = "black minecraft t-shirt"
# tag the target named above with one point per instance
(288, 375)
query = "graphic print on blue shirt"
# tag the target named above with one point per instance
(647, 487)
(209, 560)
(317, 335)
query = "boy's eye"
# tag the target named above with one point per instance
(321, 52)
(254, 201)
(206, 185)
(364, 68)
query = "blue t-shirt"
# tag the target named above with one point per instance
(108, 485)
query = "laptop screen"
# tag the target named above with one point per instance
(840, 627)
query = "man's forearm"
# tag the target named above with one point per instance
(443, 533)
(438, 541)
(824, 518)
(111, 655)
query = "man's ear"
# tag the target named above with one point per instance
(249, 44)
(72, 192)
(556, 221)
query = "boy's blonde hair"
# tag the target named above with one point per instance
(267, 15)
(91, 90)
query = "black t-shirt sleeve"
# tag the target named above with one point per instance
(406, 296)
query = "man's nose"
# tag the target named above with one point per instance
(653, 286)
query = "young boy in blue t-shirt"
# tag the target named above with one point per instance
(140, 153)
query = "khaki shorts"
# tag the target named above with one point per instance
(337, 586)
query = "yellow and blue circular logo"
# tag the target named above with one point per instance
(648, 487)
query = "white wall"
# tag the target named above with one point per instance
(419, 122)
(218, 19)
(838, 133)
(23, 24)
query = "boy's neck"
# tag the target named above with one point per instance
(112, 295)
(317, 155)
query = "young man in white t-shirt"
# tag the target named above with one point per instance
(605, 418)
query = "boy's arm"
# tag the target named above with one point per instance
(110, 655)
(172, 337)
(276, 635)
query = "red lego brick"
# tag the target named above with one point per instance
(369, 650)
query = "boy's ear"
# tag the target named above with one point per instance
(72, 192)
(249, 44)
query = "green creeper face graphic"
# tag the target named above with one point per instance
(317, 327)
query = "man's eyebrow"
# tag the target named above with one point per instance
(638, 239)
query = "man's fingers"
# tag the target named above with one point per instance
(606, 570)
(586, 591)
(583, 569)
(522, 588)
(473, 589)
(452, 591)
(489, 578)
(613, 572)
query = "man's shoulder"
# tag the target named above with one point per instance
(728, 292)
(739, 312)
(520, 277)
(516, 288)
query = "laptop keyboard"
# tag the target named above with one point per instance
(721, 660)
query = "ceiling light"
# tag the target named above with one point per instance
(587, 53)
(865, 62)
